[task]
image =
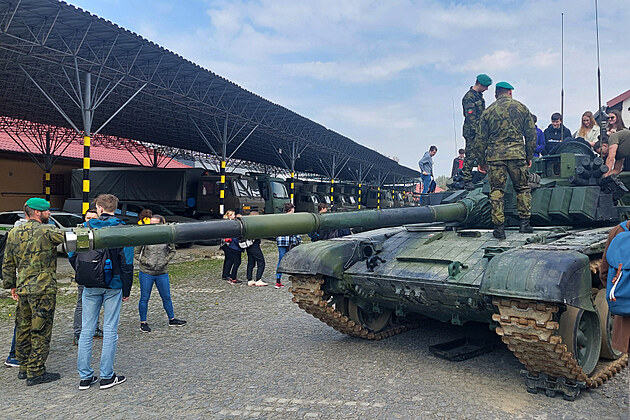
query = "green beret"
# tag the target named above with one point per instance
(484, 79)
(37, 203)
(505, 85)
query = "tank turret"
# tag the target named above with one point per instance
(540, 292)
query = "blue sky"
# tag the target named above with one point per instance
(391, 74)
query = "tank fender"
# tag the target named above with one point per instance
(561, 276)
(322, 257)
(332, 257)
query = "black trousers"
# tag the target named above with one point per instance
(256, 258)
(231, 264)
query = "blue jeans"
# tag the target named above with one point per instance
(93, 299)
(281, 251)
(164, 288)
(426, 182)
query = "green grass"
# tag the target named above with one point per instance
(8, 306)
(202, 267)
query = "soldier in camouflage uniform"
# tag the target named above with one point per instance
(31, 250)
(503, 153)
(473, 105)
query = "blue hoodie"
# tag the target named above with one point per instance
(122, 258)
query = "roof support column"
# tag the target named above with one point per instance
(88, 113)
(224, 143)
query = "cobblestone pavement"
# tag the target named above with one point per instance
(250, 352)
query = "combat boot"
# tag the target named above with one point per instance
(45, 378)
(499, 232)
(525, 227)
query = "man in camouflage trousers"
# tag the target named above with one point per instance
(473, 105)
(503, 153)
(31, 250)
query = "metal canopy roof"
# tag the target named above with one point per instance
(46, 47)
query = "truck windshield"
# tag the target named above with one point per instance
(240, 189)
(278, 190)
(252, 186)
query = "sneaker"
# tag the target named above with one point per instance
(176, 322)
(279, 285)
(98, 333)
(87, 383)
(144, 327)
(11, 362)
(43, 379)
(113, 381)
(261, 283)
(251, 283)
(21, 375)
(235, 281)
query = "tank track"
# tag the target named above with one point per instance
(309, 296)
(528, 329)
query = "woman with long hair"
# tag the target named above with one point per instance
(615, 122)
(589, 130)
(153, 261)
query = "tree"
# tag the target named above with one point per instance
(441, 181)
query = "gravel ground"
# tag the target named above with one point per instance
(250, 352)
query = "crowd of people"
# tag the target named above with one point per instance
(104, 280)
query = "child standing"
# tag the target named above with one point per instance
(255, 258)
(232, 250)
(285, 243)
(153, 261)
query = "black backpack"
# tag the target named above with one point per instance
(94, 268)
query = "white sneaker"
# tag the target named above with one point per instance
(261, 283)
(251, 283)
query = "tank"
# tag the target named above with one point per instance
(539, 292)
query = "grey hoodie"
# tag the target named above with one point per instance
(154, 259)
(426, 163)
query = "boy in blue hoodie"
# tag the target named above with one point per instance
(109, 298)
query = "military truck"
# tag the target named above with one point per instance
(306, 198)
(191, 192)
(273, 191)
(241, 195)
(372, 200)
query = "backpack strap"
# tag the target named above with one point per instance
(623, 225)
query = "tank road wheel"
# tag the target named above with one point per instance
(605, 325)
(580, 331)
(373, 321)
(340, 303)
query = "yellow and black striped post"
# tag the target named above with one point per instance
(332, 190)
(222, 190)
(359, 196)
(47, 186)
(86, 174)
(292, 189)
(378, 198)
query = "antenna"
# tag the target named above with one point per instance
(454, 129)
(599, 76)
(562, 81)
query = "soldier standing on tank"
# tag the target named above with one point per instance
(31, 250)
(473, 105)
(503, 153)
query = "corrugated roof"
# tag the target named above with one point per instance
(49, 42)
(98, 153)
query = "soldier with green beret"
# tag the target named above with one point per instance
(473, 105)
(31, 252)
(506, 137)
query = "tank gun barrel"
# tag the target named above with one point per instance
(263, 226)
